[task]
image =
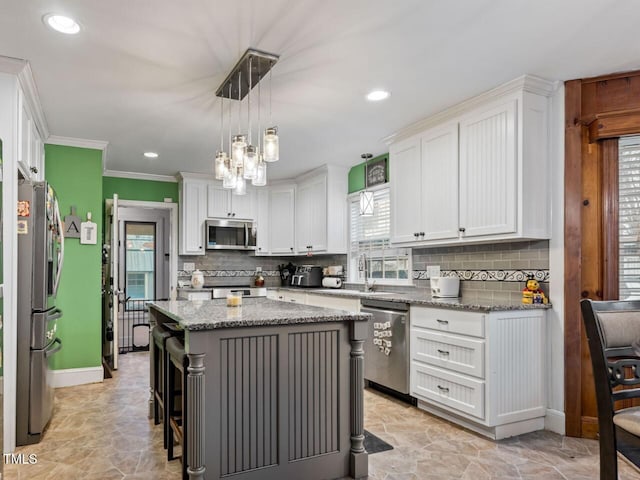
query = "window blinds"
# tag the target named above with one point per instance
(371, 229)
(629, 216)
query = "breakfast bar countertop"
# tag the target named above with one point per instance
(254, 312)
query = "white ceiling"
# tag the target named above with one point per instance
(142, 74)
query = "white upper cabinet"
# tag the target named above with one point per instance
(440, 183)
(405, 176)
(193, 212)
(281, 219)
(222, 203)
(467, 175)
(31, 147)
(262, 221)
(321, 211)
(488, 164)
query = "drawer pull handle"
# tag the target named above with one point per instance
(443, 352)
(443, 322)
(443, 389)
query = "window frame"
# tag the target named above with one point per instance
(354, 275)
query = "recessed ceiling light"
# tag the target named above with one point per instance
(377, 95)
(62, 24)
(151, 154)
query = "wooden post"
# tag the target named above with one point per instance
(359, 458)
(195, 416)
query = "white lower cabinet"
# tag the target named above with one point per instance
(482, 370)
(317, 300)
(337, 302)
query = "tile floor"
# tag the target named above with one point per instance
(101, 431)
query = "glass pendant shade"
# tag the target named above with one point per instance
(238, 149)
(250, 162)
(220, 165)
(260, 179)
(366, 203)
(229, 180)
(241, 185)
(271, 145)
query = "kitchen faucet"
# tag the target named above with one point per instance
(368, 287)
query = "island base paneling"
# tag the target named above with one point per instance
(277, 402)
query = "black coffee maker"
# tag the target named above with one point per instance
(286, 273)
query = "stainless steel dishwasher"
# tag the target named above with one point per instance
(386, 351)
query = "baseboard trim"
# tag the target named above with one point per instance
(555, 421)
(76, 376)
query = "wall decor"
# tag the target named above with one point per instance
(376, 172)
(88, 231)
(72, 224)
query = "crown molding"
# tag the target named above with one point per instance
(527, 83)
(30, 91)
(11, 65)
(22, 69)
(77, 142)
(139, 176)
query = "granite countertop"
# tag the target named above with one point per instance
(254, 312)
(424, 298)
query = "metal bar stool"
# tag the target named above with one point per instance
(159, 358)
(178, 362)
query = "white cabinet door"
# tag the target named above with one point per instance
(194, 212)
(406, 191)
(440, 183)
(218, 201)
(311, 214)
(282, 218)
(262, 220)
(488, 171)
(243, 206)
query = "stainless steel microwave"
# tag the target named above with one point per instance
(223, 234)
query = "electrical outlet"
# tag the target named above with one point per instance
(189, 267)
(258, 269)
(433, 271)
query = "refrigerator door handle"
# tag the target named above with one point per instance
(57, 313)
(61, 252)
(55, 347)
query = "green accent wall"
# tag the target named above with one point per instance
(357, 174)
(76, 175)
(141, 190)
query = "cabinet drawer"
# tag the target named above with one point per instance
(464, 355)
(452, 321)
(447, 388)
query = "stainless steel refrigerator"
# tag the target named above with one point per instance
(40, 258)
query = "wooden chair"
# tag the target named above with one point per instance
(613, 330)
(159, 358)
(177, 367)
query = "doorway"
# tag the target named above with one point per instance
(139, 260)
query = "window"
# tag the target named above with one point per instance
(369, 238)
(629, 216)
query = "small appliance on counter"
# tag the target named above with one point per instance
(286, 273)
(445, 287)
(307, 276)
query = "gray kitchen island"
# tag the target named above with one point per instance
(275, 390)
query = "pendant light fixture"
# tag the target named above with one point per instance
(245, 160)
(271, 140)
(366, 197)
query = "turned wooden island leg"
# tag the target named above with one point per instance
(359, 459)
(195, 417)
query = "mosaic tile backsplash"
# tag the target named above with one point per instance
(497, 270)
